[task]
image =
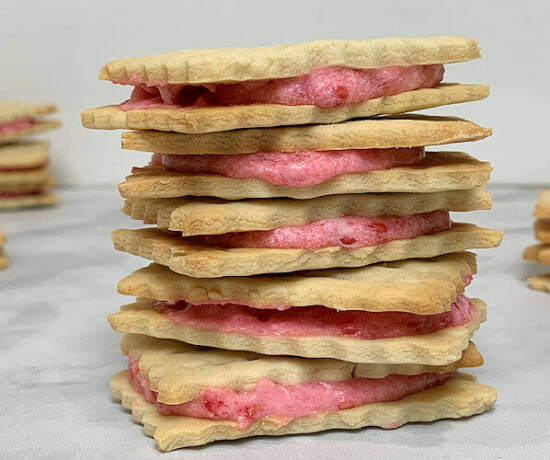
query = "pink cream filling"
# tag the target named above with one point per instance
(286, 402)
(6, 194)
(350, 232)
(323, 87)
(16, 125)
(293, 169)
(314, 320)
(24, 168)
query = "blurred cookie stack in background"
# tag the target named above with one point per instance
(540, 252)
(288, 226)
(25, 180)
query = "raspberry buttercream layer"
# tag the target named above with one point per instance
(285, 403)
(178, 372)
(460, 396)
(441, 347)
(314, 320)
(210, 119)
(16, 129)
(323, 87)
(349, 232)
(171, 250)
(440, 171)
(211, 216)
(292, 169)
(16, 125)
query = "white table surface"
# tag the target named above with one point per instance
(57, 351)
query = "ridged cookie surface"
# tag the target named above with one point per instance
(24, 155)
(419, 286)
(211, 216)
(438, 348)
(440, 171)
(213, 119)
(178, 372)
(461, 396)
(384, 132)
(281, 61)
(210, 262)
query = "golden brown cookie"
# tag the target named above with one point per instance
(538, 253)
(542, 208)
(441, 171)
(205, 262)
(282, 61)
(540, 282)
(211, 216)
(438, 348)
(383, 132)
(24, 155)
(461, 396)
(178, 372)
(542, 230)
(419, 286)
(213, 119)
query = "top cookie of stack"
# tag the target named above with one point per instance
(325, 81)
(304, 187)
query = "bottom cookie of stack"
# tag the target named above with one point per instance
(186, 396)
(540, 252)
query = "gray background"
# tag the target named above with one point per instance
(53, 51)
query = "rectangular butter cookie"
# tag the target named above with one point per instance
(437, 348)
(212, 262)
(441, 171)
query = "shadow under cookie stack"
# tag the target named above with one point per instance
(283, 231)
(25, 180)
(540, 252)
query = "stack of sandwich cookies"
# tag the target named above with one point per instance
(3, 258)
(24, 176)
(540, 252)
(276, 245)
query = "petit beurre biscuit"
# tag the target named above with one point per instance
(216, 323)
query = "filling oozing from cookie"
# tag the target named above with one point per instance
(350, 232)
(16, 125)
(283, 403)
(231, 318)
(292, 169)
(324, 87)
